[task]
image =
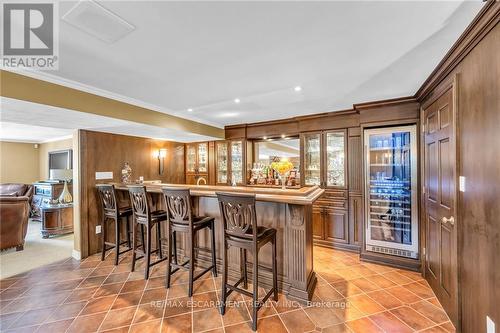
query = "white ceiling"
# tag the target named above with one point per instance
(203, 55)
(32, 122)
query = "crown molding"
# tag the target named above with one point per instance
(484, 21)
(44, 76)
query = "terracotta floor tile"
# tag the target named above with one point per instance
(92, 282)
(284, 304)
(381, 281)
(448, 327)
(126, 300)
(365, 285)
(434, 329)
(390, 323)
(412, 318)
(206, 319)
(236, 312)
(365, 304)
(66, 311)
(271, 324)
(416, 276)
(397, 278)
(33, 317)
(177, 306)
(81, 295)
(135, 285)
(177, 324)
(403, 294)
(154, 295)
(385, 299)
(297, 321)
(146, 312)
(322, 317)
(56, 326)
(12, 293)
(27, 329)
(86, 324)
(98, 305)
(153, 326)
(116, 278)
(101, 271)
(118, 318)
(347, 288)
(108, 289)
(363, 325)
(331, 277)
(419, 290)
(339, 328)
(123, 329)
(241, 328)
(156, 282)
(430, 311)
(327, 293)
(434, 301)
(346, 312)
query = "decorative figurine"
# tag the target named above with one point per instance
(126, 173)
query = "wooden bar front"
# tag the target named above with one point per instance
(288, 211)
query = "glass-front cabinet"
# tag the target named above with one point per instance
(323, 159)
(237, 162)
(312, 159)
(221, 160)
(391, 191)
(231, 162)
(197, 162)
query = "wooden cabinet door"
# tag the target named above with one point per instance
(334, 150)
(318, 225)
(336, 226)
(67, 218)
(191, 152)
(355, 219)
(440, 198)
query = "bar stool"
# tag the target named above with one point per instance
(112, 212)
(240, 230)
(143, 216)
(181, 219)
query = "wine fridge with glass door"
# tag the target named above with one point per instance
(391, 191)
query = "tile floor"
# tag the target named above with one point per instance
(95, 296)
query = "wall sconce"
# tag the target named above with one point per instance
(160, 155)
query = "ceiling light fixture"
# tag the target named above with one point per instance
(237, 100)
(283, 136)
(297, 88)
(190, 110)
(265, 137)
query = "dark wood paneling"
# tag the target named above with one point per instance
(236, 132)
(474, 59)
(356, 218)
(336, 228)
(355, 167)
(407, 108)
(108, 152)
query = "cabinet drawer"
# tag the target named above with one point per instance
(334, 195)
(337, 204)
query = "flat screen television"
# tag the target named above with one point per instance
(62, 159)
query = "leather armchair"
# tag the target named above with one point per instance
(14, 213)
(17, 190)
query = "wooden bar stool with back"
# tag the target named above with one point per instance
(111, 211)
(143, 216)
(181, 219)
(241, 230)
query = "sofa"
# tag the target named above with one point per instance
(14, 214)
(15, 207)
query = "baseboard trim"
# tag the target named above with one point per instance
(76, 255)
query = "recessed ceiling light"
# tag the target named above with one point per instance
(297, 88)
(283, 136)
(236, 100)
(265, 138)
(190, 110)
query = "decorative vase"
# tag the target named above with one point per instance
(283, 180)
(126, 173)
(65, 196)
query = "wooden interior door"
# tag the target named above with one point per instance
(441, 269)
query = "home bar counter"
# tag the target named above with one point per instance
(288, 211)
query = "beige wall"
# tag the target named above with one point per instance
(23, 163)
(19, 162)
(47, 147)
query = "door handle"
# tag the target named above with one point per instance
(451, 220)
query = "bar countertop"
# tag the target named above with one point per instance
(301, 196)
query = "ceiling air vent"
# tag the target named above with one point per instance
(98, 21)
